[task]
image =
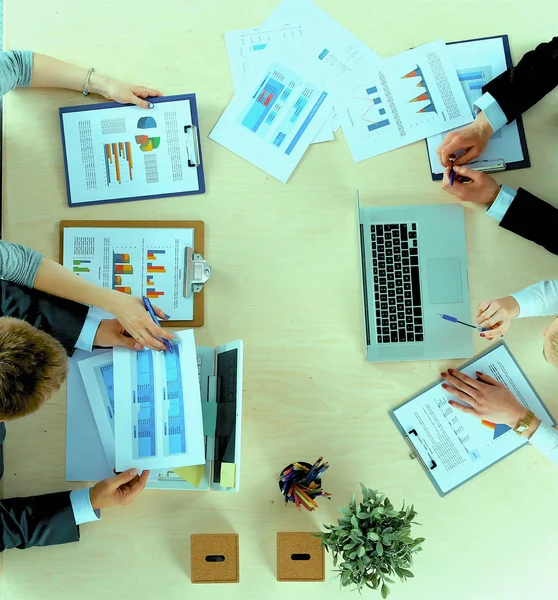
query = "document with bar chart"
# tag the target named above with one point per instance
(478, 62)
(275, 117)
(147, 405)
(412, 95)
(142, 262)
(115, 152)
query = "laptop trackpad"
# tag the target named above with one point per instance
(444, 280)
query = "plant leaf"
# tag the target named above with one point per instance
(384, 590)
(373, 536)
(354, 522)
(379, 548)
(360, 551)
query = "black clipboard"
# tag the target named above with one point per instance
(507, 166)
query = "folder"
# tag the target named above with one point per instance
(507, 148)
(453, 447)
(94, 257)
(120, 152)
(220, 373)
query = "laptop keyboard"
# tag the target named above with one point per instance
(396, 275)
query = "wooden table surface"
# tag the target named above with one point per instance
(285, 280)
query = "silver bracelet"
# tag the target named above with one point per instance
(86, 86)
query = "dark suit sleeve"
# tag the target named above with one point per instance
(532, 218)
(63, 319)
(37, 521)
(49, 519)
(536, 74)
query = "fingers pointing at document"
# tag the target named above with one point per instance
(485, 398)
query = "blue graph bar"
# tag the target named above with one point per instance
(471, 76)
(259, 47)
(307, 122)
(323, 54)
(144, 428)
(107, 164)
(378, 125)
(475, 86)
(176, 433)
(377, 100)
(382, 111)
(372, 90)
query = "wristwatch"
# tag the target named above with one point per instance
(525, 423)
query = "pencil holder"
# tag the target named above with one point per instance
(301, 483)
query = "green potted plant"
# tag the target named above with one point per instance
(371, 542)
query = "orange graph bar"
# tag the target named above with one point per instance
(488, 424)
(124, 290)
(127, 269)
(151, 257)
(121, 148)
(117, 280)
(109, 153)
(155, 294)
(129, 154)
(152, 269)
(116, 163)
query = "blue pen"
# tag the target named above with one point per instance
(452, 177)
(152, 314)
(456, 320)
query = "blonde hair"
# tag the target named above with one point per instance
(33, 366)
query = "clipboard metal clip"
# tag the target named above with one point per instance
(414, 454)
(488, 166)
(195, 145)
(196, 272)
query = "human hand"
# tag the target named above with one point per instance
(480, 187)
(120, 490)
(496, 315)
(125, 93)
(130, 312)
(472, 139)
(487, 399)
(110, 333)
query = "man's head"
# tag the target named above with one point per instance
(33, 366)
(550, 344)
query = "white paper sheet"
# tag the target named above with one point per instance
(462, 445)
(413, 95)
(478, 62)
(271, 122)
(126, 151)
(332, 50)
(253, 49)
(97, 374)
(158, 416)
(142, 262)
(85, 458)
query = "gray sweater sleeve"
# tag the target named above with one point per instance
(19, 264)
(16, 68)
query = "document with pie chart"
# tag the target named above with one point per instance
(115, 152)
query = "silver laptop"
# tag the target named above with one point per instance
(414, 267)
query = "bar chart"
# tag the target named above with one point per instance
(153, 268)
(78, 268)
(424, 95)
(118, 163)
(143, 413)
(175, 433)
(121, 268)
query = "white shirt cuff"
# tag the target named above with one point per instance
(81, 505)
(545, 439)
(492, 111)
(538, 300)
(503, 201)
(88, 331)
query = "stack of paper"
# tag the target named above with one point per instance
(147, 406)
(301, 74)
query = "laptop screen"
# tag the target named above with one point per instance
(227, 369)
